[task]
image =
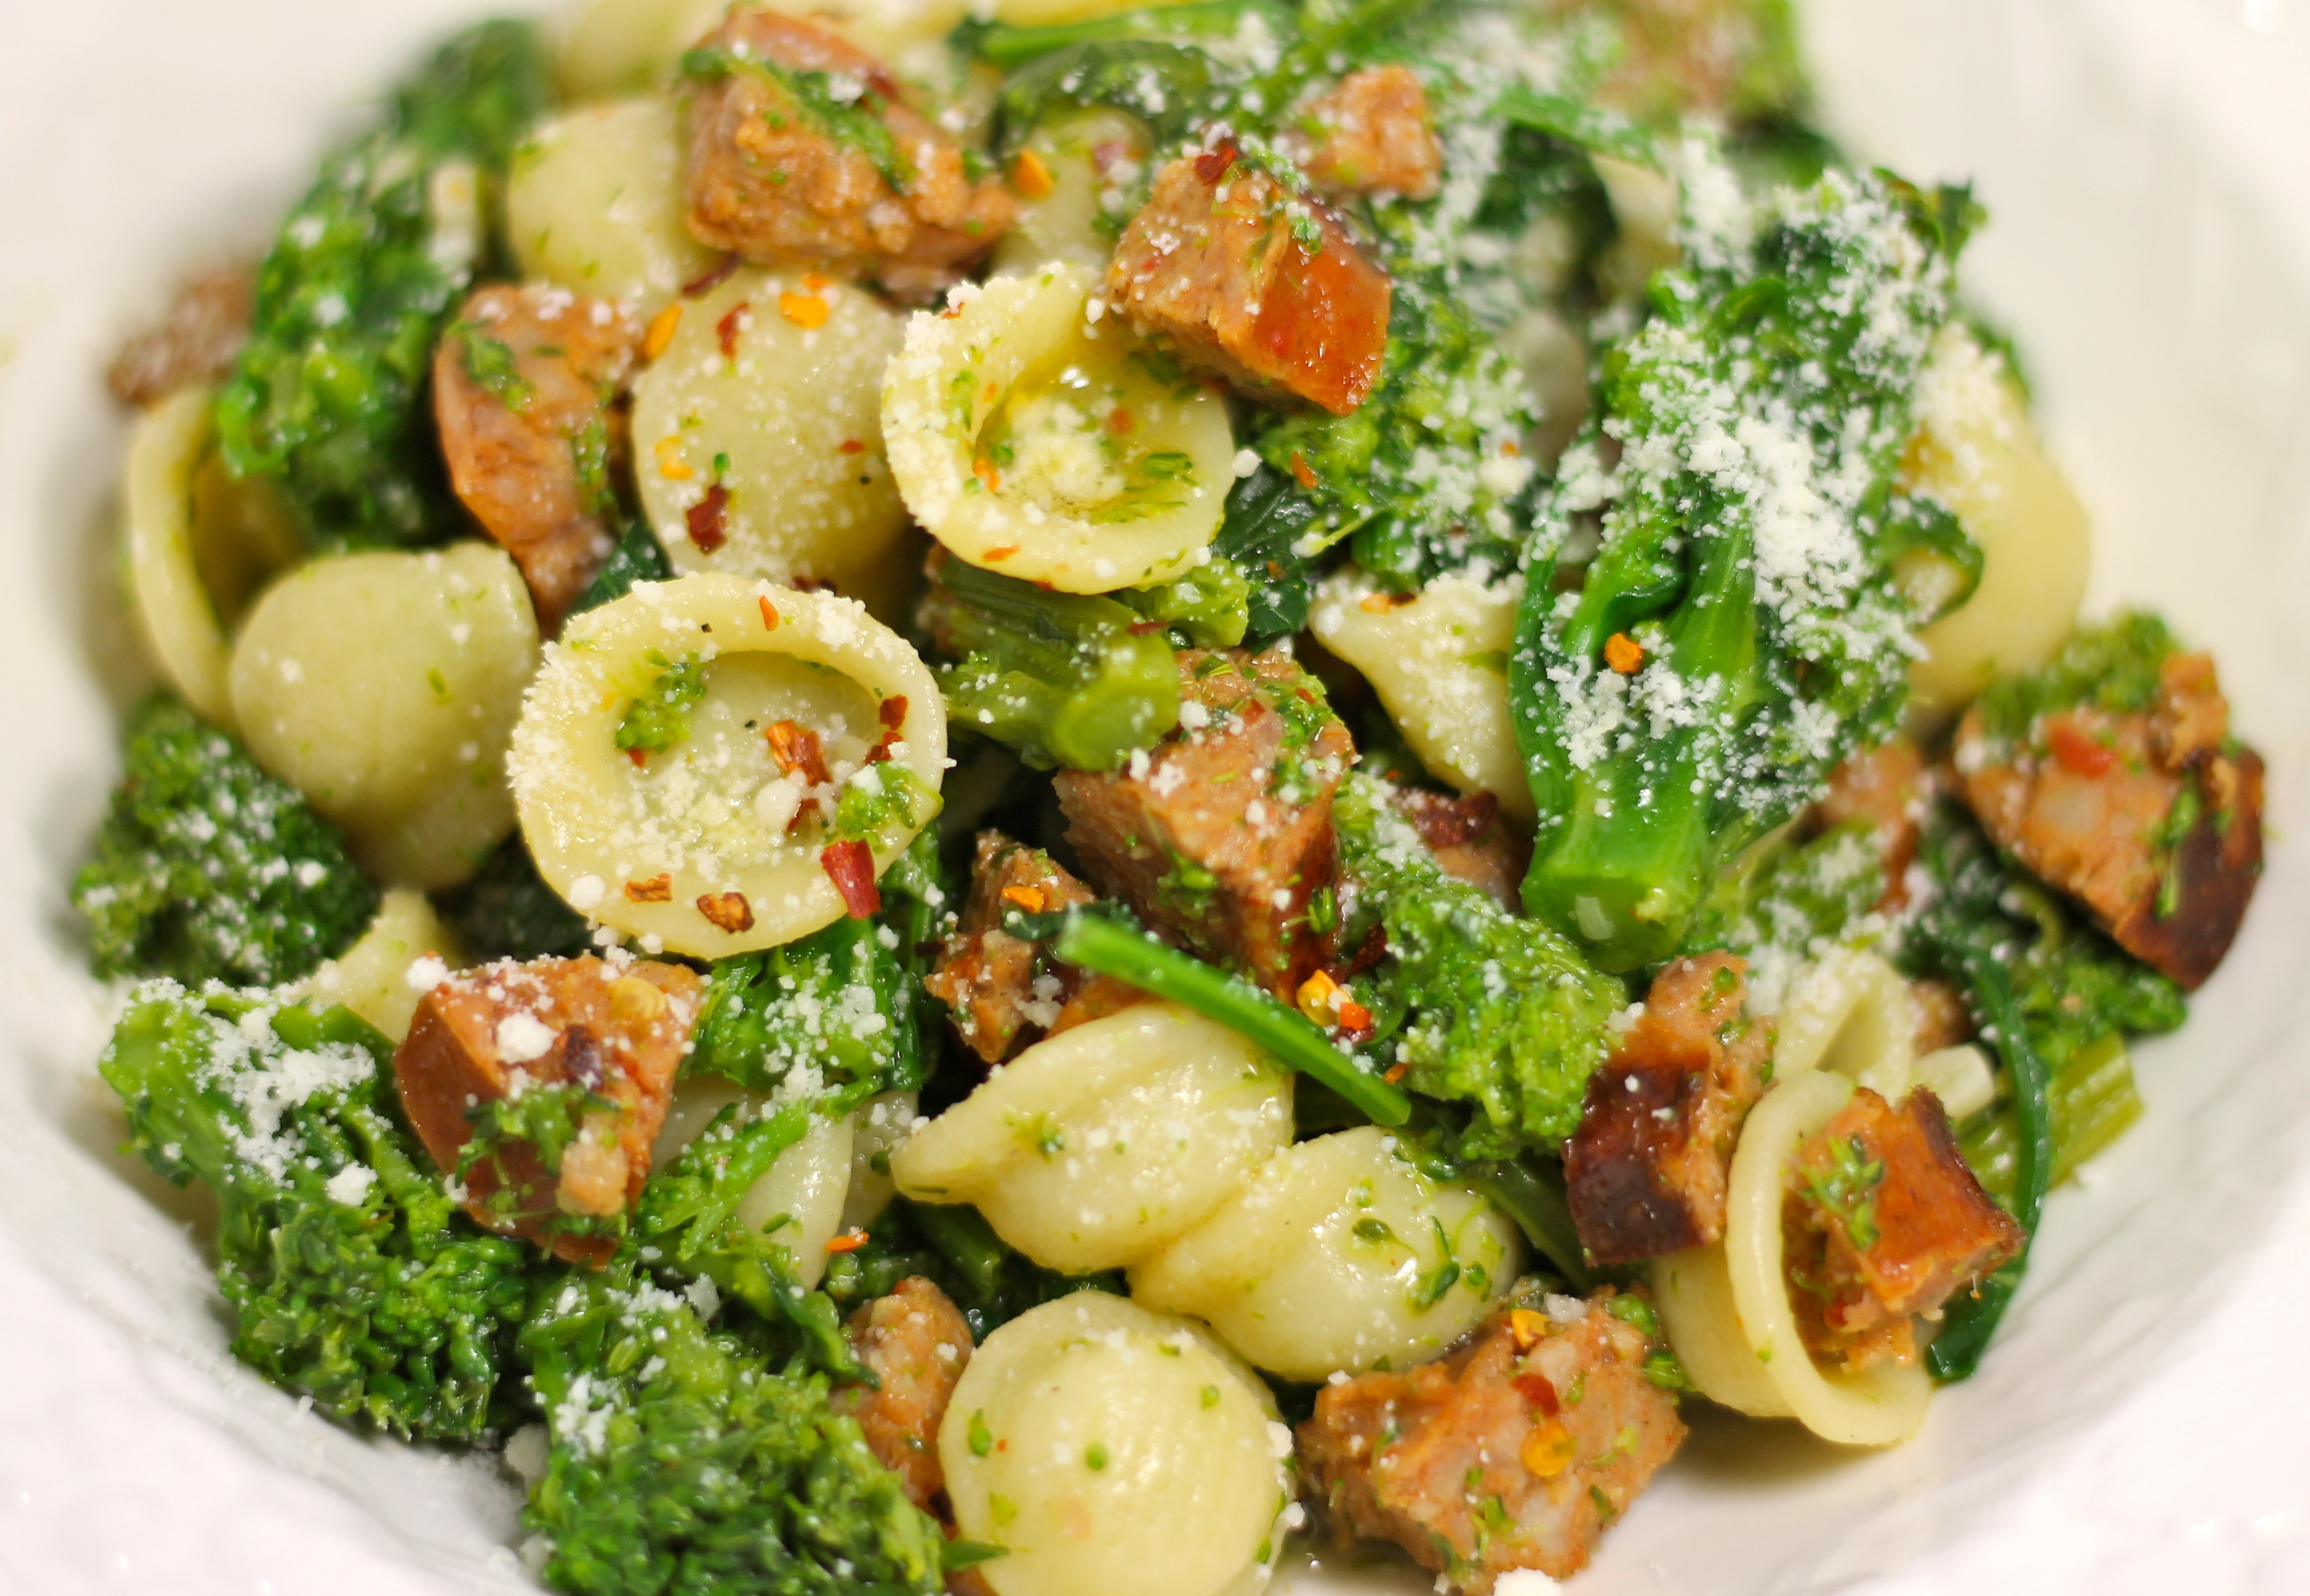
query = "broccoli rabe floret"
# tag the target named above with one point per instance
(1480, 1007)
(327, 400)
(836, 1009)
(207, 869)
(356, 1280)
(691, 1460)
(1063, 678)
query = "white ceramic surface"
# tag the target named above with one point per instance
(2143, 1424)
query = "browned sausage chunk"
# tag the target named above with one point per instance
(805, 151)
(540, 1087)
(1646, 1171)
(197, 340)
(915, 1342)
(522, 384)
(1231, 272)
(1223, 834)
(1883, 788)
(1004, 993)
(1469, 839)
(2152, 821)
(1370, 134)
(1884, 1221)
(1516, 1451)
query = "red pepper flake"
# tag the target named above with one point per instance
(850, 866)
(1355, 1017)
(1395, 1074)
(713, 277)
(1212, 164)
(729, 911)
(988, 477)
(1005, 553)
(1300, 470)
(1120, 421)
(639, 756)
(798, 751)
(1537, 1389)
(815, 282)
(727, 329)
(849, 1243)
(658, 888)
(769, 616)
(851, 446)
(892, 713)
(2077, 751)
(1623, 653)
(705, 518)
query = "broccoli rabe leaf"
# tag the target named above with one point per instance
(838, 1008)
(506, 911)
(638, 557)
(327, 399)
(356, 1280)
(1272, 532)
(690, 1461)
(956, 1249)
(207, 869)
(1801, 898)
(1481, 1007)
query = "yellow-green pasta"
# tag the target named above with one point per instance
(595, 202)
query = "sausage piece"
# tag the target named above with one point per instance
(1002, 992)
(1221, 835)
(915, 1342)
(1229, 269)
(487, 1047)
(196, 340)
(1645, 1172)
(1370, 134)
(2151, 819)
(1469, 839)
(522, 384)
(1517, 1449)
(805, 151)
(1884, 1221)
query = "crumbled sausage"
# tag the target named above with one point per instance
(196, 340)
(1645, 1172)
(522, 384)
(1221, 835)
(1884, 1221)
(915, 1342)
(1469, 839)
(807, 151)
(1943, 1019)
(1231, 271)
(1370, 132)
(2152, 821)
(1517, 1449)
(1003, 990)
(605, 1039)
(1884, 789)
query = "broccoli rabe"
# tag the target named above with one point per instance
(365, 273)
(1063, 678)
(1480, 1008)
(506, 911)
(356, 1279)
(207, 869)
(836, 1009)
(1797, 898)
(690, 1460)
(1740, 628)
(638, 557)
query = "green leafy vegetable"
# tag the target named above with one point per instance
(207, 869)
(354, 1278)
(327, 398)
(506, 911)
(1209, 607)
(1270, 533)
(637, 558)
(1747, 552)
(1063, 678)
(1480, 1008)
(2112, 667)
(658, 716)
(838, 1003)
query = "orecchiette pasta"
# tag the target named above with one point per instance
(1726, 1307)
(1439, 664)
(1960, 1076)
(384, 687)
(880, 1125)
(756, 446)
(1095, 1147)
(1977, 452)
(1082, 158)
(371, 977)
(1338, 1255)
(198, 543)
(800, 1197)
(1034, 436)
(595, 202)
(1107, 1448)
(1848, 1012)
(694, 848)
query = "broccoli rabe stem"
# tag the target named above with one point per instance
(1097, 943)
(1064, 679)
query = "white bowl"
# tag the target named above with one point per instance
(2140, 1423)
